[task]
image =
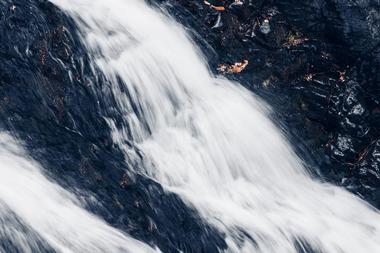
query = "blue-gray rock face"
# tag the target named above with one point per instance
(317, 64)
(48, 99)
(318, 67)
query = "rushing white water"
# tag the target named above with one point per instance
(210, 140)
(54, 217)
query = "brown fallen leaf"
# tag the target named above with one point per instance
(217, 8)
(234, 68)
(342, 76)
(309, 77)
(295, 40)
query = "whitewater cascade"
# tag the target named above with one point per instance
(37, 215)
(205, 138)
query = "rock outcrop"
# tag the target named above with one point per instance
(49, 99)
(317, 64)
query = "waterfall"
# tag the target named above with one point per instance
(37, 215)
(205, 138)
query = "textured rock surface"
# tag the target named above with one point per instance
(318, 67)
(48, 98)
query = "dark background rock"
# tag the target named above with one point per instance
(48, 99)
(333, 117)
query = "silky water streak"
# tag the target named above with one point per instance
(38, 215)
(210, 140)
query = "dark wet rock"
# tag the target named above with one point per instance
(48, 99)
(352, 24)
(317, 66)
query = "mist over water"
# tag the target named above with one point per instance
(37, 215)
(203, 137)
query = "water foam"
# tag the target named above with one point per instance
(38, 215)
(210, 140)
